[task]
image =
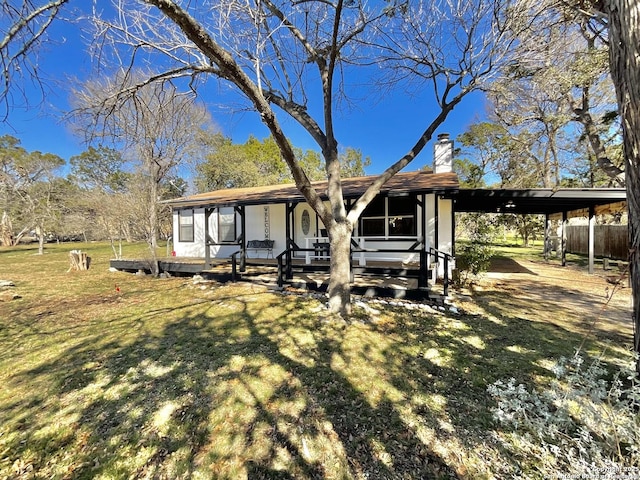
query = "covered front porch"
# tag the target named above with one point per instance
(407, 232)
(309, 269)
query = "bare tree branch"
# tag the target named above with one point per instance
(25, 27)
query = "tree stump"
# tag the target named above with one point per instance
(78, 260)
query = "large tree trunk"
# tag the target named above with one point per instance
(624, 51)
(340, 268)
(6, 231)
(40, 233)
(603, 161)
(153, 227)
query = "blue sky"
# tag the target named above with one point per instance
(383, 129)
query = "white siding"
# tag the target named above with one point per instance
(261, 227)
(445, 225)
(315, 225)
(274, 227)
(190, 249)
(431, 221)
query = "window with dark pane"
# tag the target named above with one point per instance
(402, 226)
(185, 225)
(372, 227)
(402, 216)
(402, 206)
(389, 217)
(376, 208)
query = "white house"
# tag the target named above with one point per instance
(408, 229)
(413, 212)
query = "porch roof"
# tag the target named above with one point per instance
(401, 183)
(541, 200)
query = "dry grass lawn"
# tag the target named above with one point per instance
(111, 375)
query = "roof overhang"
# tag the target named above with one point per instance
(400, 184)
(574, 201)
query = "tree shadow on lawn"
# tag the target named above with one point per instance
(455, 364)
(458, 357)
(589, 315)
(224, 389)
(502, 264)
(19, 249)
(267, 389)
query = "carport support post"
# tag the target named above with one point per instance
(563, 234)
(547, 237)
(591, 240)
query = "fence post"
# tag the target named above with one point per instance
(591, 238)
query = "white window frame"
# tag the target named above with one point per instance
(185, 224)
(227, 225)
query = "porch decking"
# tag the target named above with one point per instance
(376, 279)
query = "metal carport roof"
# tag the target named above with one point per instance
(539, 200)
(560, 203)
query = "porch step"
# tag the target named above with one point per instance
(390, 271)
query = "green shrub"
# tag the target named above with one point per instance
(474, 256)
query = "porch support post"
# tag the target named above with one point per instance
(436, 236)
(564, 239)
(289, 208)
(436, 223)
(422, 203)
(453, 228)
(424, 258)
(207, 253)
(422, 275)
(243, 237)
(547, 237)
(287, 234)
(591, 240)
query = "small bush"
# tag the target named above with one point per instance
(474, 256)
(581, 424)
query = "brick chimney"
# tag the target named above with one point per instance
(443, 154)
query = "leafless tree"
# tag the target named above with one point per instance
(29, 191)
(295, 59)
(152, 122)
(292, 58)
(564, 79)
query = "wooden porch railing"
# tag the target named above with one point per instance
(285, 267)
(446, 258)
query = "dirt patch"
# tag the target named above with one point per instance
(566, 296)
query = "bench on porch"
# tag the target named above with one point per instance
(322, 250)
(258, 245)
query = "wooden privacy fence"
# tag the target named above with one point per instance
(611, 241)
